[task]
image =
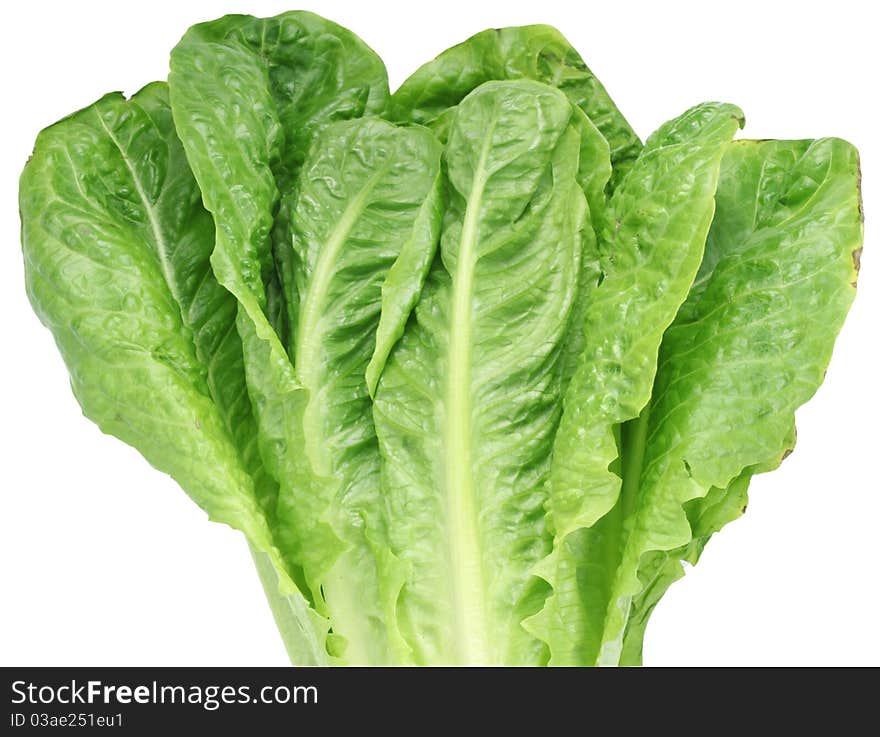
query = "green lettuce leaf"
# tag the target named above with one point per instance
(748, 347)
(367, 202)
(594, 173)
(248, 96)
(651, 245)
(469, 400)
(116, 247)
(536, 52)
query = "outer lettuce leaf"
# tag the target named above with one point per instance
(750, 345)
(116, 245)
(469, 400)
(651, 245)
(525, 52)
(368, 197)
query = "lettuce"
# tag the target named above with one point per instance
(473, 370)
(117, 247)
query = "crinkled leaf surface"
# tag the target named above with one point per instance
(651, 245)
(749, 346)
(116, 245)
(367, 202)
(248, 95)
(469, 400)
(535, 52)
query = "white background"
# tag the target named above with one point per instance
(106, 562)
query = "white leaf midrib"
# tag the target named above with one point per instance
(470, 626)
(307, 353)
(159, 240)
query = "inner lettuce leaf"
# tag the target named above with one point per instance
(368, 201)
(469, 401)
(116, 249)
(537, 52)
(248, 95)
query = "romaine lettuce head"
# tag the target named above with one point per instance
(473, 370)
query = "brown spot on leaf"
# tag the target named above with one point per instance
(859, 188)
(787, 453)
(857, 259)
